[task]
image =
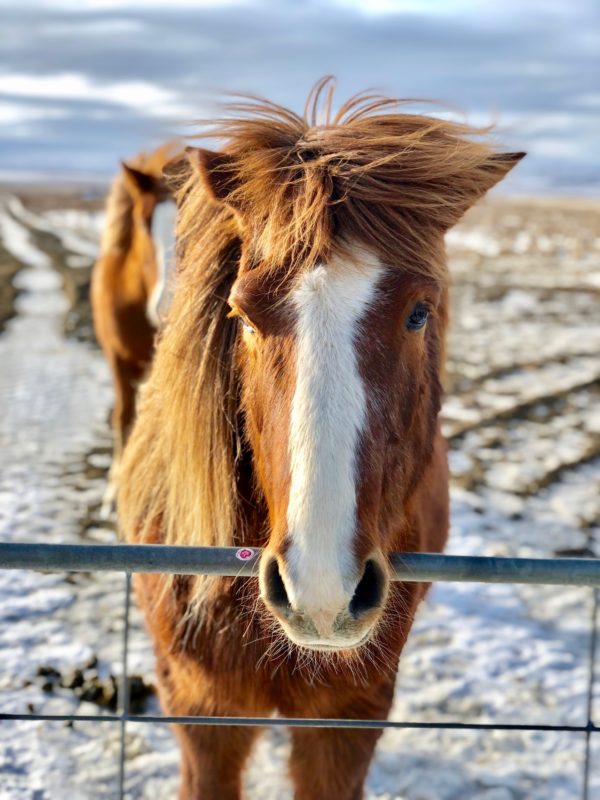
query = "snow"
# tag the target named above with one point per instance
(77, 231)
(522, 415)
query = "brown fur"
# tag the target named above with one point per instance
(207, 463)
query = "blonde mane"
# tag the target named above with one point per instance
(305, 186)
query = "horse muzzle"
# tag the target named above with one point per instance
(346, 620)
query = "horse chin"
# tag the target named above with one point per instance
(341, 646)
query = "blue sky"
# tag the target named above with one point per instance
(86, 82)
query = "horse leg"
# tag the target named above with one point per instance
(333, 762)
(212, 756)
(126, 377)
(212, 760)
(327, 763)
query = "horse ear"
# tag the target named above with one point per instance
(498, 167)
(479, 180)
(216, 171)
(138, 182)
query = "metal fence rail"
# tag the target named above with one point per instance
(243, 562)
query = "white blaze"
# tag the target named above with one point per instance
(163, 236)
(327, 417)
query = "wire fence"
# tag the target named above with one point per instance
(243, 562)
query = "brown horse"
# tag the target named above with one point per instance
(293, 404)
(127, 282)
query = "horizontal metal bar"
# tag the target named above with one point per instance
(279, 722)
(130, 558)
(244, 562)
(485, 569)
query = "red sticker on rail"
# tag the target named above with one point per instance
(245, 554)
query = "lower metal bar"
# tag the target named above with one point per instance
(244, 562)
(279, 722)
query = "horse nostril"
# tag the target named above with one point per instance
(275, 592)
(369, 592)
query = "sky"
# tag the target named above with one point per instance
(84, 83)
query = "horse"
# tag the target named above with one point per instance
(128, 283)
(293, 405)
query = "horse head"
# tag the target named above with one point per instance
(339, 296)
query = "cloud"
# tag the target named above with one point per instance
(92, 6)
(15, 113)
(140, 96)
(123, 68)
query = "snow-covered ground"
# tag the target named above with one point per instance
(524, 426)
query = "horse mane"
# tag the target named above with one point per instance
(116, 233)
(118, 224)
(179, 463)
(305, 185)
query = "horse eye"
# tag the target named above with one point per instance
(247, 328)
(417, 318)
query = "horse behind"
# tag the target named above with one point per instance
(293, 405)
(128, 281)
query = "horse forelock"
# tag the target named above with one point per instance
(368, 174)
